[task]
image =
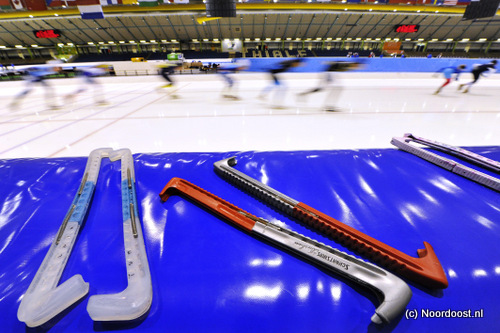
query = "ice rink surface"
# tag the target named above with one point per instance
(371, 109)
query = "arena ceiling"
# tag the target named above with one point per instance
(164, 24)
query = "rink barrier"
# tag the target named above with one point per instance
(412, 65)
(316, 64)
(309, 65)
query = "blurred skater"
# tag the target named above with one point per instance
(89, 75)
(327, 83)
(477, 72)
(166, 70)
(448, 74)
(281, 67)
(225, 70)
(38, 75)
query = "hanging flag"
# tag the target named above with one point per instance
(148, 3)
(129, 2)
(61, 3)
(110, 2)
(90, 9)
(5, 4)
(36, 5)
(17, 4)
(91, 12)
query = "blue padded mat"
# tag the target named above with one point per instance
(209, 276)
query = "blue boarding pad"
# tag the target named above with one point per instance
(211, 276)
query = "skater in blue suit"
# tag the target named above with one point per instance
(230, 68)
(37, 75)
(448, 75)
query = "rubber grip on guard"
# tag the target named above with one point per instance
(425, 270)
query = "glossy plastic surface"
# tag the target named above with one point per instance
(394, 292)
(210, 277)
(425, 270)
(44, 299)
(134, 301)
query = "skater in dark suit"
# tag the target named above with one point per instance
(477, 72)
(281, 67)
(166, 70)
(327, 83)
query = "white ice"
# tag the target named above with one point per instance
(373, 108)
